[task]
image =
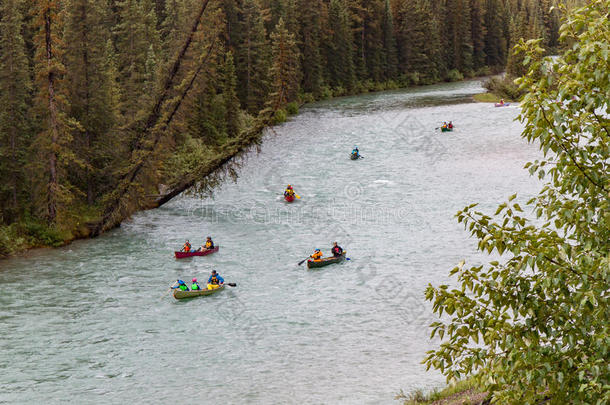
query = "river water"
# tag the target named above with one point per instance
(90, 322)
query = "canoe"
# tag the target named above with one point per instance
(354, 157)
(179, 294)
(325, 261)
(446, 129)
(502, 105)
(182, 255)
(289, 198)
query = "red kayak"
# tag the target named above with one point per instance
(182, 255)
(289, 198)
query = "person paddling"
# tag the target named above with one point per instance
(187, 247)
(336, 250)
(355, 152)
(450, 125)
(289, 191)
(181, 285)
(316, 256)
(195, 286)
(215, 280)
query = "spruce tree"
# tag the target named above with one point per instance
(339, 47)
(89, 92)
(51, 107)
(14, 97)
(229, 96)
(133, 52)
(252, 58)
(478, 32)
(284, 71)
(390, 56)
(496, 45)
(310, 21)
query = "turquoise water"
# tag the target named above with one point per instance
(90, 322)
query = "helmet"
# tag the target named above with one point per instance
(209, 237)
(194, 280)
(317, 250)
(289, 186)
(213, 271)
(180, 282)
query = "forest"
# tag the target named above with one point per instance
(113, 106)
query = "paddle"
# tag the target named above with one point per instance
(231, 284)
(165, 293)
(303, 261)
(297, 196)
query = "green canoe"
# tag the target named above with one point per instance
(446, 129)
(325, 261)
(179, 294)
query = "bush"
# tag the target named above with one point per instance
(454, 75)
(9, 241)
(326, 93)
(484, 71)
(280, 116)
(42, 234)
(305, 98)
(292, 108)
(503, 87)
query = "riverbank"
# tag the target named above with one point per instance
(463, 393)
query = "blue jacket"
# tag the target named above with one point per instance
(355, 152)
(220, 279)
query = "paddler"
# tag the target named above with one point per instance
(356, 152)
(317, 255)
(450, 125)
(186, 247)
(208, 245)
(215, 281)
(181, 285)
(336, 250)
(289, 191)
(195, 286)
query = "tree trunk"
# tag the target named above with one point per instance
(52, 186)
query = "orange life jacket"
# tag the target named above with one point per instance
(317, 256)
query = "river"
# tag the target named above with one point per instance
(90, 322)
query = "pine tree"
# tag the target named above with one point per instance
(252, 58)
(390, 56)
(459, 50)
(50, 102)
(419, 41)
(89, 91)
(496, 45)
(133, 51)
(339, 47)
(229, 96)
(478, 32)
(14, 98)
(309, 43)
(284, 71)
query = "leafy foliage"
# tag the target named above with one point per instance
(534, 325)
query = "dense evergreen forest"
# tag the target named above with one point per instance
(110, 106)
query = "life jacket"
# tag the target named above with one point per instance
(337, 251)
(289, 191)
(214, 279)
(195, 286)
(183, 287)
(209, 244)
(187, 247)
(450, 125)
(317, 256)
